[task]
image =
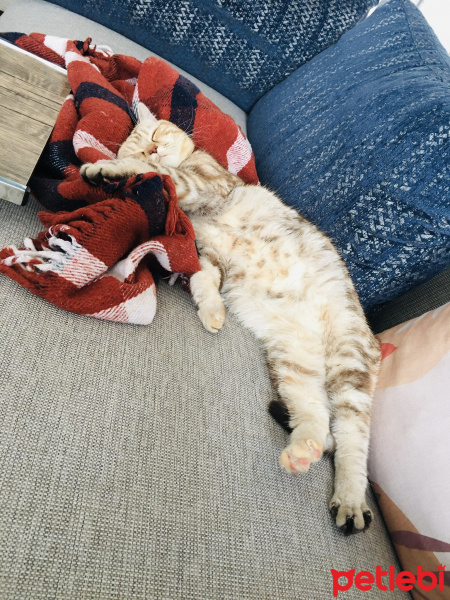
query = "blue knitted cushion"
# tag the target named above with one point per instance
(357, 140)
(241, 48)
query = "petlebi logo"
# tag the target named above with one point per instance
(388, 580)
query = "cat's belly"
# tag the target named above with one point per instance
(275, 280)
(268, 316)
(270, 288)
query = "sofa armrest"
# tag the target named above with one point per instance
(425, 297)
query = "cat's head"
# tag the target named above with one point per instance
(157, 140)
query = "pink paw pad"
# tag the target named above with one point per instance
(298, 456)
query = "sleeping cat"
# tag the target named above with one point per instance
(284, 280)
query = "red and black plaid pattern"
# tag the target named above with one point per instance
(104, 248)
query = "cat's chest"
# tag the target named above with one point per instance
(255, 247)
(235, 238)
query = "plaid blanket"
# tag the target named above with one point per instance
(105, 248)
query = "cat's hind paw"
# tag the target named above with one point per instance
(298, 456)
(350, 517)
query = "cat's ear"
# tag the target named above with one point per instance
(144, 114)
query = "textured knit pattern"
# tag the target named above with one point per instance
(78, 262)
(358, 141)
(242, 49)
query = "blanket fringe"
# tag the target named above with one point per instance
(53, 258)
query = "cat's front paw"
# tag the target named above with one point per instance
(96, 173)
(298, 456)
(351, 516)
(212, 314)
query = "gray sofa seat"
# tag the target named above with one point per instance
(141, 462)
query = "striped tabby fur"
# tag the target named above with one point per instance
(285, 282)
